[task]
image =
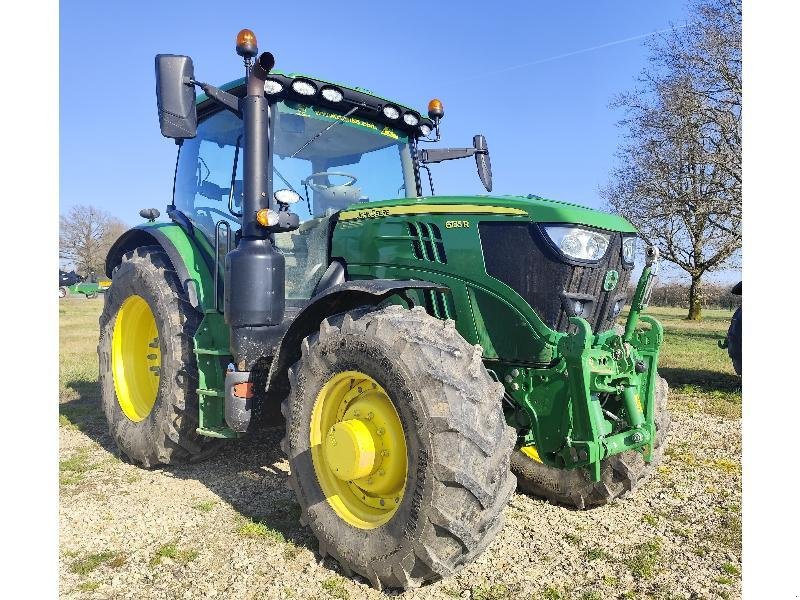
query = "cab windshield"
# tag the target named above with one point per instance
(330, 159)
(334, 160)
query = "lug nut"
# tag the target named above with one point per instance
(637, 438)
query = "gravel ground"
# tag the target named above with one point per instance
(228, 528)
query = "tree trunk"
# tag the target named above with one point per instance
(695, 298)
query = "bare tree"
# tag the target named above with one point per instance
(679, 177)
(86, 233)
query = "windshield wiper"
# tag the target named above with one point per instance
(320, 133)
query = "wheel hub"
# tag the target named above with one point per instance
(350, 450)
(358, 448)
(135, 358)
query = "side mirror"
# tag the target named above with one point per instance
(482, 161)
(177, 113)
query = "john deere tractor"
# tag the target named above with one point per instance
(421, 348)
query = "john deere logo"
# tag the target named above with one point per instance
(611, 280)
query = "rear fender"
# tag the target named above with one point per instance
(192, 263)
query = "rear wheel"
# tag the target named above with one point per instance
(620, 473)
(398, 449)
(148, 373)
(62, 292)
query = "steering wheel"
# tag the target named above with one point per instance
(317, 187)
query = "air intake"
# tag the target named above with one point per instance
(426, 242)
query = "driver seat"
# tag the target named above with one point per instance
(306, 254)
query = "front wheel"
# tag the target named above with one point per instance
(62, 292)
(148, 372)
(620, 473)
(398, 449)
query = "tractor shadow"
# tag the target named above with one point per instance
(249, 474)
(83, 412)
(702, 380)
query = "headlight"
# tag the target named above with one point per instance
(629, 249)
(286, 196)
(579, 243)
(391, 112)
(410, 119)
(272, 86)
(425, 129)
(332, 94)
(304, 88)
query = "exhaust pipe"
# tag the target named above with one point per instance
(254, 271)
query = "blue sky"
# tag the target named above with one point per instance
(548, 124)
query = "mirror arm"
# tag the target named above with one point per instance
(439, 155)
(227, 100)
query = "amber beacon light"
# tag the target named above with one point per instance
(435, 109)
(246, 44)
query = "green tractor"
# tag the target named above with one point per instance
(423, 349)
(72, 283)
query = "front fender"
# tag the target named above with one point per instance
(336, 299)
(191, 261)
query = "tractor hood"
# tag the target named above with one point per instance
(538, 209)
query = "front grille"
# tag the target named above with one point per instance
(426, 241)
(519, 255)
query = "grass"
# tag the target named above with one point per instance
(88, 586)
(90, 562)
(334, 587)
(257, 529)
(699, 373)
(171, 551)
(498, 591)
(72, 469)
(596, 554)
(551, 593)
(206, 506)
(79, 393)
(643, 559)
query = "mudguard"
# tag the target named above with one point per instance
(191, 262)
(334, 300)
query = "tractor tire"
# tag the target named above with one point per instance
(91, 295)
(735, 341)
(63, 292)
(620, 474)
(455, 451)
(146, 330)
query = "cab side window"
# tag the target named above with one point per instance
(206, 174)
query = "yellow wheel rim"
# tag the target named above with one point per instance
(135, 358)
(358, 448)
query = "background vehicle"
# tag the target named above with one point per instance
(733, 341)
(414, 344)
(72, 283)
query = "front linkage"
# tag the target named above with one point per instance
(599, 400)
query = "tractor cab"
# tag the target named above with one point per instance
(324, 159)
